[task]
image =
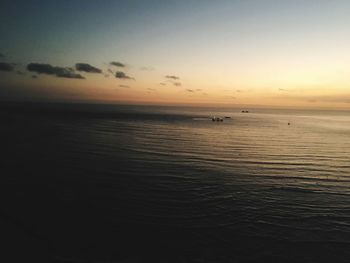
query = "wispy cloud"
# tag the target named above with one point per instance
(173, 80)
(280, 89)
(124, 86)
(87, 68)
(117, 64)
(172, 77)
(190, 90)
(122, 75)
(6, 67)
(48, 69)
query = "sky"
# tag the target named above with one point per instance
(253, 52)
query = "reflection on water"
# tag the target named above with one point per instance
(168, 184)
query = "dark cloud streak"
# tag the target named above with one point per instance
(117, 64)
(54, 71)
(44, 68)
(172, 77)
(70, 75)
(122, 75)
(87, 68)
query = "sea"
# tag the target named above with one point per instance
(121, 183)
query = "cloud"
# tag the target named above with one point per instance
(151, 90)
(6, 67)
(198, 89)
(55, 71)
(124, 86)
(173, 80)
(190, 90)
(172, 77)
(70, 75)
(43, 68)
(280, 89)
(117, 64)
(162, 84)
(122, 75)
(2, 55)
(87, 68)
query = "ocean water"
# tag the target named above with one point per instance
(104, 183)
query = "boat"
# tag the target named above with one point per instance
(217, 119)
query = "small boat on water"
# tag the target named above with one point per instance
(217, 119)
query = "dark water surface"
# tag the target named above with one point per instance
(88, 183)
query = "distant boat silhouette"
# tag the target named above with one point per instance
(245, 111)
(217, 119)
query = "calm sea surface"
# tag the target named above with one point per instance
(89, 183)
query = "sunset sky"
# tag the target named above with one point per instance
(274, 53)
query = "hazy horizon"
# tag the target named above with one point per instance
(238, 107)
